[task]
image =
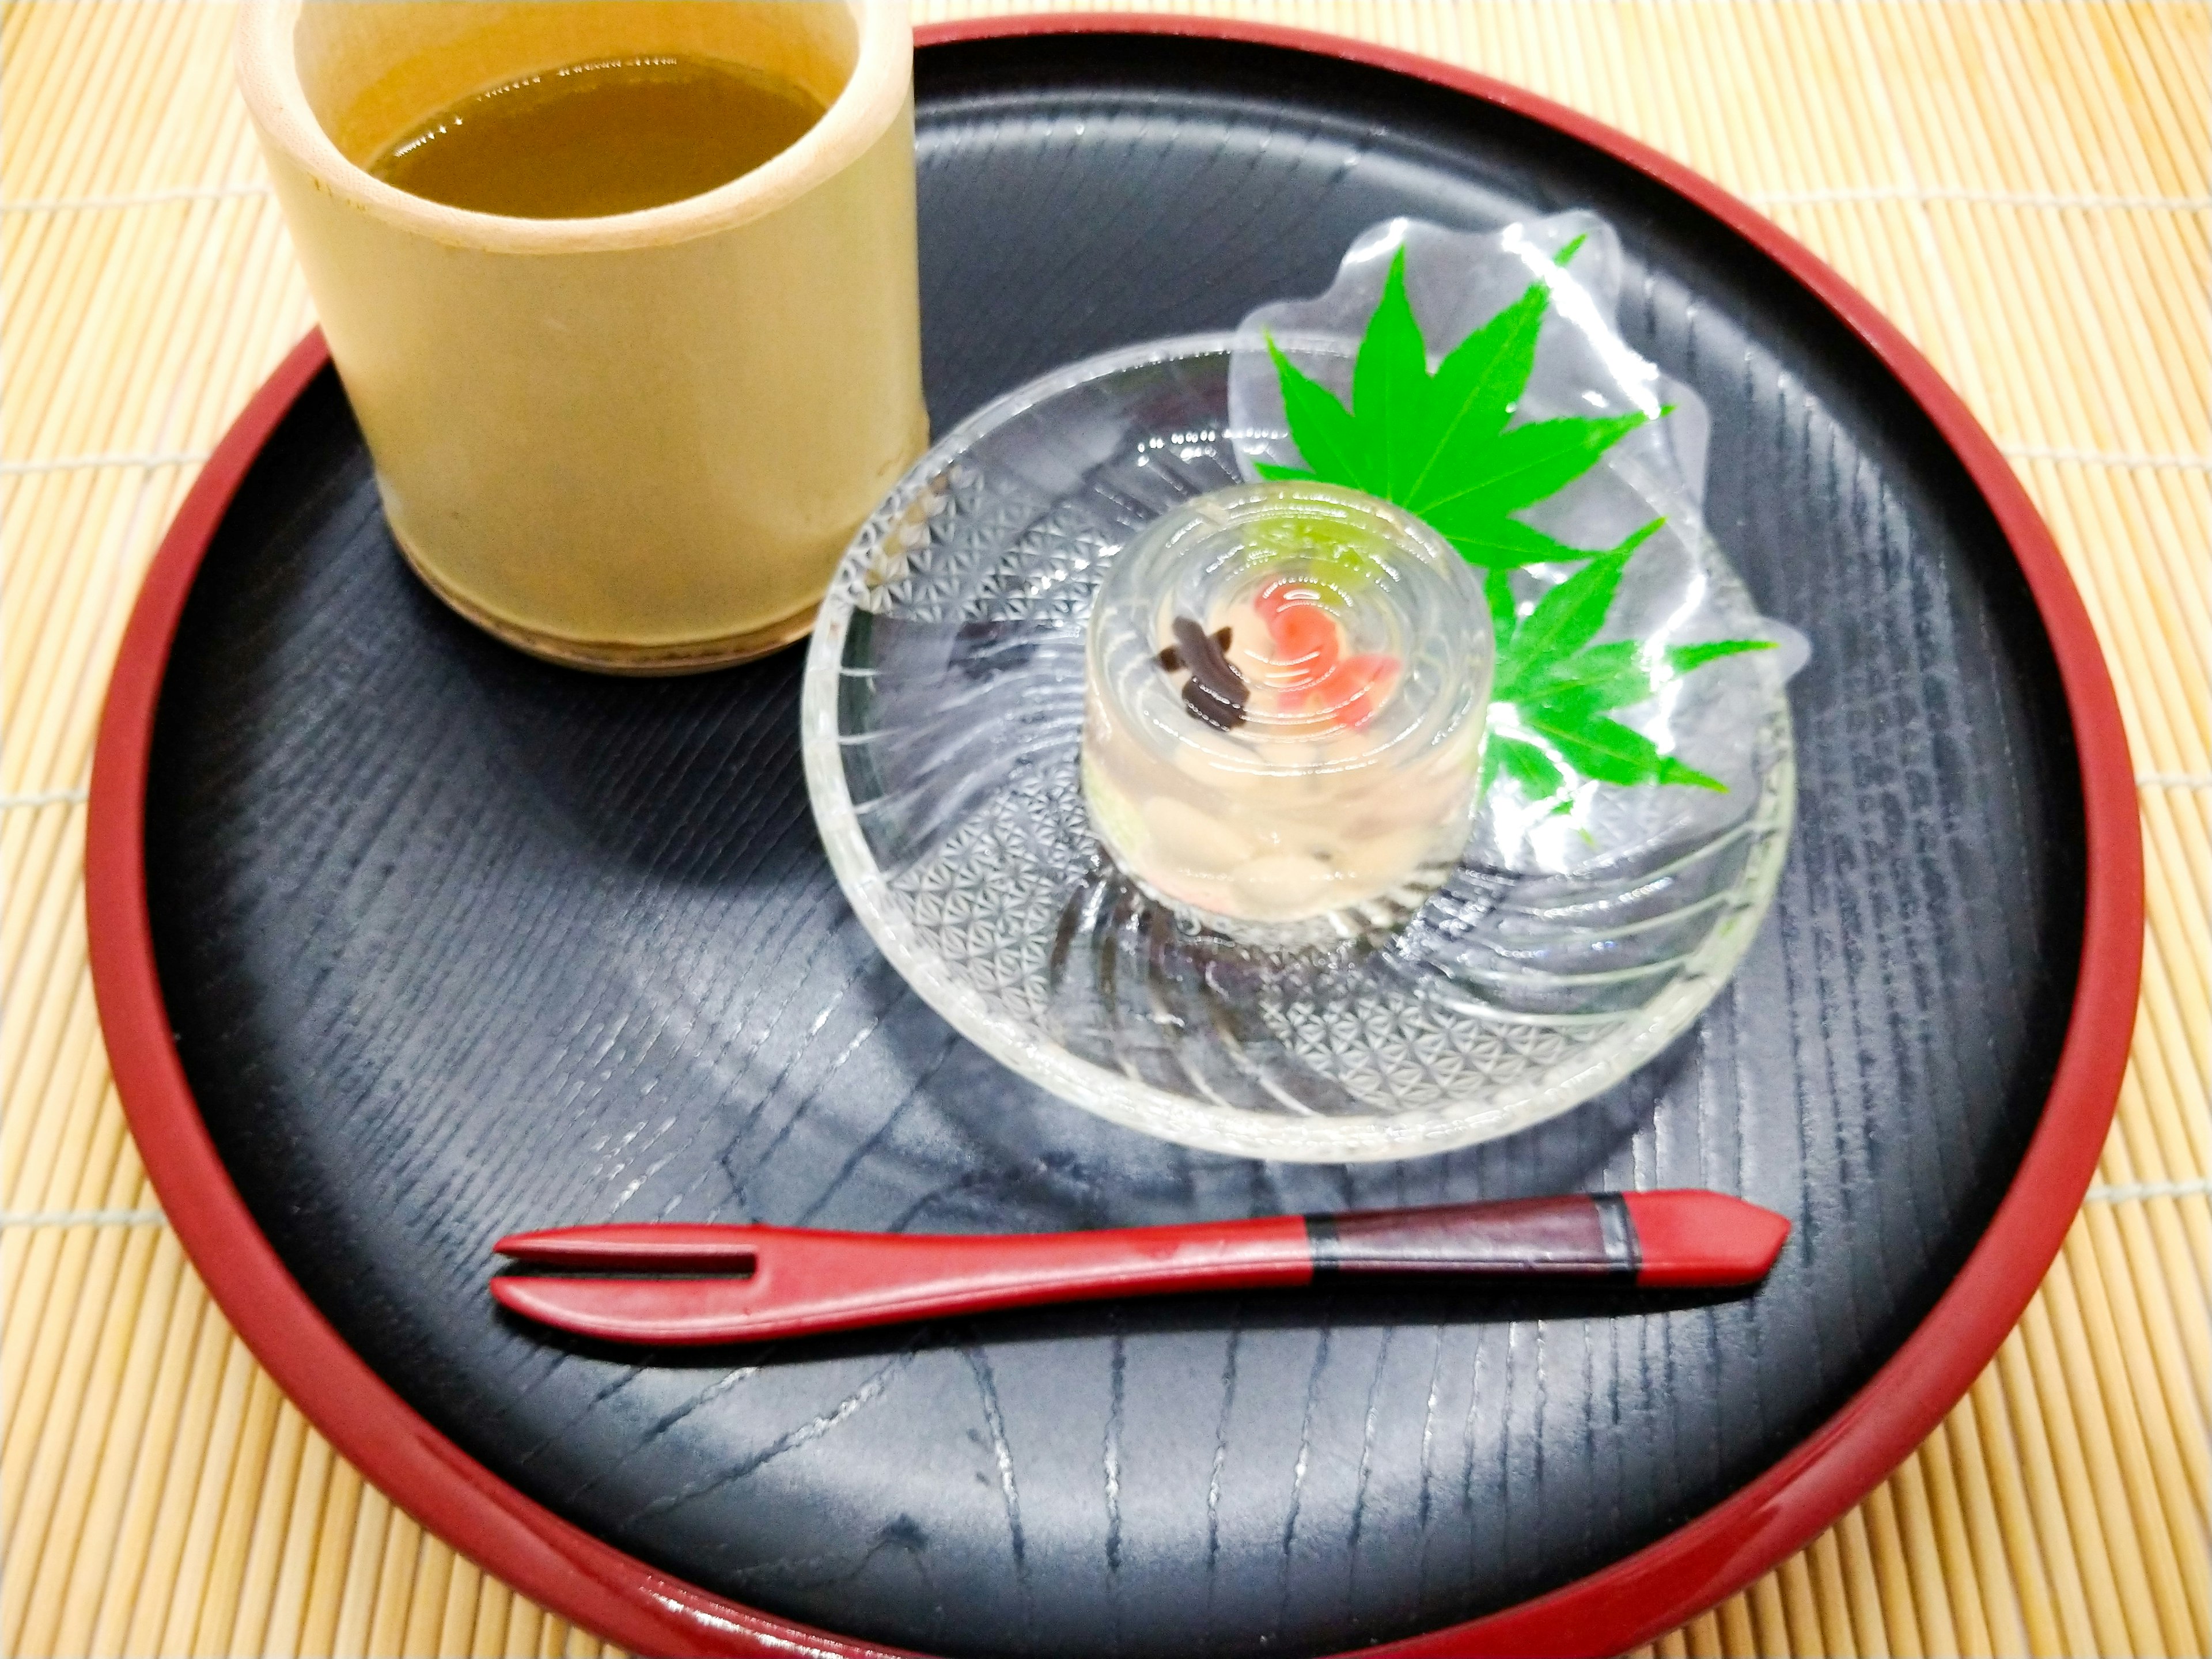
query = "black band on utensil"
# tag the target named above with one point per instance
(1621, 1253)
(1321, 1243)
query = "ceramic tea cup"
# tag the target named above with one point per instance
(636, 442)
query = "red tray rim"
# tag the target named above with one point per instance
(1633, 1600)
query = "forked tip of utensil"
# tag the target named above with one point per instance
(611, 1310)
(520, 1296)
(1701, 1240)
(664, 1245)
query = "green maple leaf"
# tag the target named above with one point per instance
(1535, 771)
(1439, 445)
(1562, 688)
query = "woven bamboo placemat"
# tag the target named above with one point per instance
(2022, 185)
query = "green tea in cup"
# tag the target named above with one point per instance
(615, 135)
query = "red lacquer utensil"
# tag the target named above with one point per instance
(731, 1284)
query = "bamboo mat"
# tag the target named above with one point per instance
(2022, 185)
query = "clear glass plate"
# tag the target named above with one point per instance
(942, 716)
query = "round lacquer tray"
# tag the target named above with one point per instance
(403, 940)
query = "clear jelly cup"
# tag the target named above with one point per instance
(1285, 686)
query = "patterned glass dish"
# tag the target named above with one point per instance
(943, 719)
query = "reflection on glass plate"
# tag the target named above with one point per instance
(942, 719)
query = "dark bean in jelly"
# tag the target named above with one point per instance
(1172, 659)
(1215, 692)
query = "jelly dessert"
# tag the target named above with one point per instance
(1286, 685)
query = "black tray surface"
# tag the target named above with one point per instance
(456, 943)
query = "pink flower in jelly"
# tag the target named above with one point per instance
(1318, 676)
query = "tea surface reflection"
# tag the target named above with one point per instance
(613, 136)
